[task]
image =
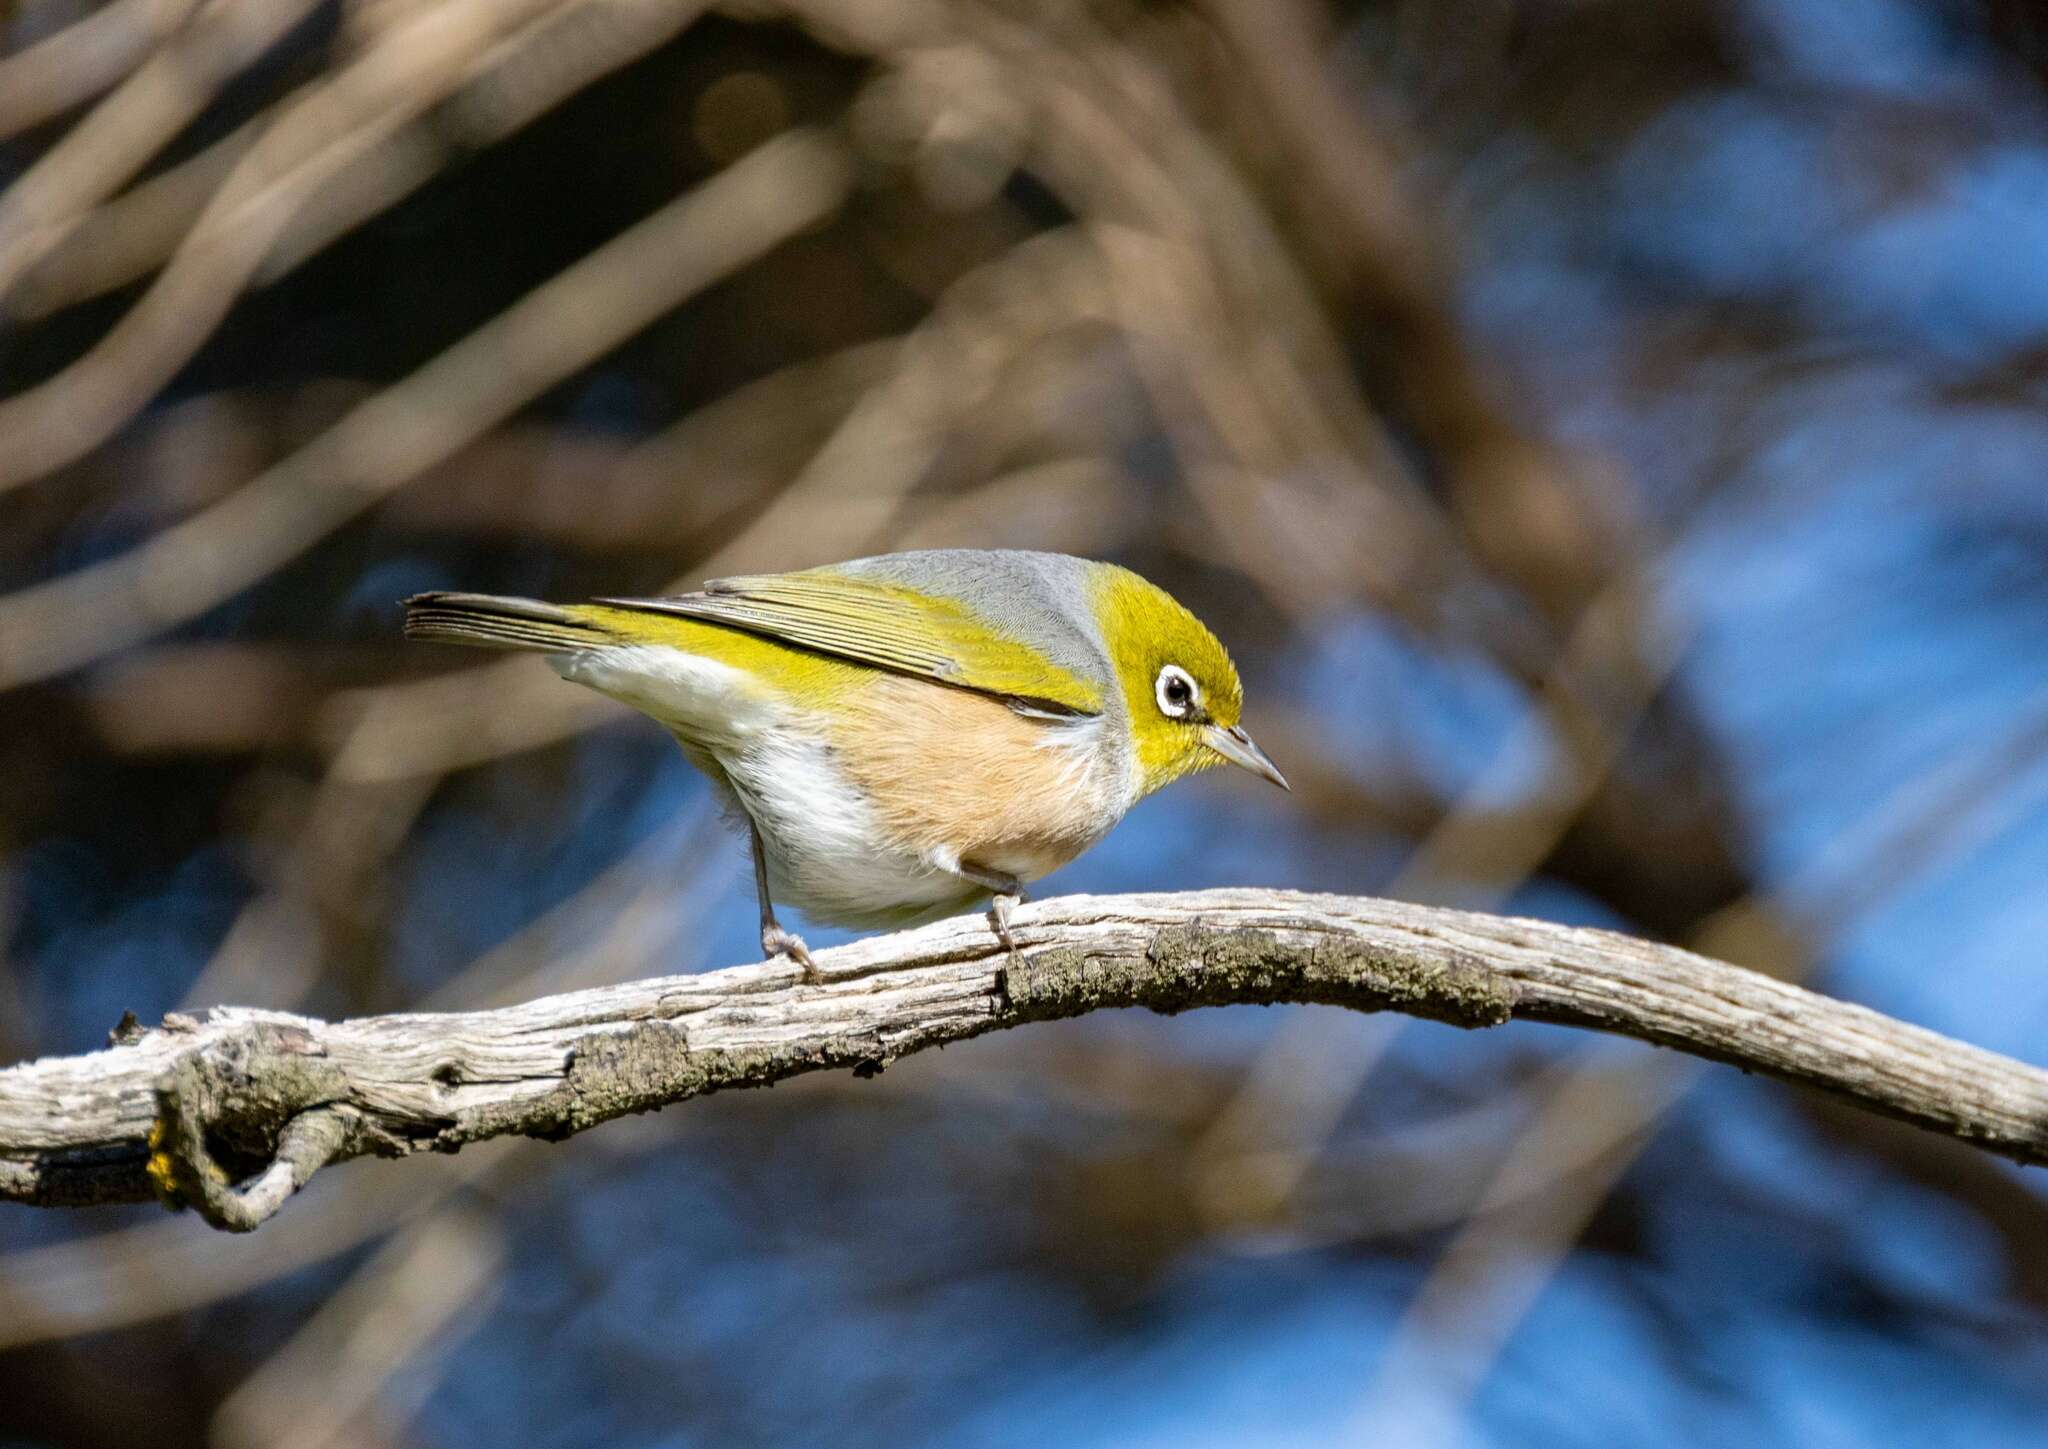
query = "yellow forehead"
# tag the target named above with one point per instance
(1147, 629)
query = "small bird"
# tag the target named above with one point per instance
(907, 735)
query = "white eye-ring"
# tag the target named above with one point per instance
(1177, 693)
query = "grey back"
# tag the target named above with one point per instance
(1039, 598)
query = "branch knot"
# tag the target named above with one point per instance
(229, 1097)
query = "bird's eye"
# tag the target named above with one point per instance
(1176, 692)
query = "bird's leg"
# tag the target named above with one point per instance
(774, 940)
(1007, 893)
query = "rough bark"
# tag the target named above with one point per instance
(233, 1111)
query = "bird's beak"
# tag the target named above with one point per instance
(1236, 746)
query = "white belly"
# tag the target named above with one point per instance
(826, 855)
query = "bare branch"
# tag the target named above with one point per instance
(171, 1112)
(101, 153)
(82, 59)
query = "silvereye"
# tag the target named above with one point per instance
(905, 735)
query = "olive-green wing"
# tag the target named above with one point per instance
(887, 626)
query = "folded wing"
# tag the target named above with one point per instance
(888, 626)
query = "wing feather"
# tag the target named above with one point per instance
(888, 626)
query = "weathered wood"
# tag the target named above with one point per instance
(184, 1110)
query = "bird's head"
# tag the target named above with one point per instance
(1180, 690)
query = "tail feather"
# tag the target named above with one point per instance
(493, 621)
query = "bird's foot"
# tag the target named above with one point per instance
(777, 942)
(999, 907)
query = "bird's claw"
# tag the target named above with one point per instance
(999, 908)
(775, 941)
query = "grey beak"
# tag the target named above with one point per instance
(1236, 746)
